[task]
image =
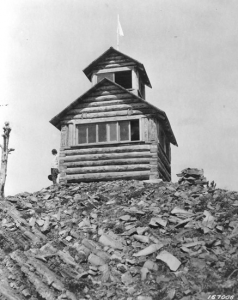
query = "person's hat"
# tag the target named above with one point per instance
(50, 177)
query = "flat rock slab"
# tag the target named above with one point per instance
(153, 181)
(169, 259)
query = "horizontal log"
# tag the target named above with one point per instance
(110, 97)
(114, 61)
(106, 87)
(116, 90)
(125, 161)
(106, 103)
(113, 70)
(108, 119)
(108, 66)
(108, 108)
(110, 114)
(105, 145)
(117, 149)
(113, 56)
(89, 157)
(108, 176)
(101, 169)
(115, 65)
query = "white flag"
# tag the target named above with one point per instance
(119, 29)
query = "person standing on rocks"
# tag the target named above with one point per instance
(54, 167)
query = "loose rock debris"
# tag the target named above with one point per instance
(193, 176)
(121, 240)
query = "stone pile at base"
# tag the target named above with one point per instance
(120, 240)
(192, 176)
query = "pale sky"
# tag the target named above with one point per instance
(189, 49)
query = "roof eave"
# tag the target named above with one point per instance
(57, 119)
(169, 129)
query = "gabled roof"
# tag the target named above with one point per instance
(56, 121)
(89, 69)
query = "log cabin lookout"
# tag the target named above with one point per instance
(111, 132)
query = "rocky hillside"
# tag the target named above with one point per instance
(120, 240)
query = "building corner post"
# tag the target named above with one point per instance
(154, 173)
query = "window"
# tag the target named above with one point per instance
(92, 133)
(102, 132)
(121, 131)
(100, 76)
(82, 131)
(124, 130)
(112, 128)
(87, 134)
(135, 130)
(124, 79)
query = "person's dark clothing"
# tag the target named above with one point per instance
(54, 174)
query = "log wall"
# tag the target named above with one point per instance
(109, 101)
(136, 161)
(131, 160)
(106, 163)
(114, 61)
(164, 167)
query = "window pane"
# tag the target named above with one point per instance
(113, 131)
(124, 131)
(135, 130)
(104, 75)
(102, 132)
(82, 134)
(124, 79)
(92, 133)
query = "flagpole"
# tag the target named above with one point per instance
(117, 32)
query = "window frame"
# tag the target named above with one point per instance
(114, 77)
(103, 73)
(118, 141)
(125, 71)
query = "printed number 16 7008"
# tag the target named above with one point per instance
(221, 297)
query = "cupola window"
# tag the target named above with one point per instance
(124, 79)
(101, 76)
